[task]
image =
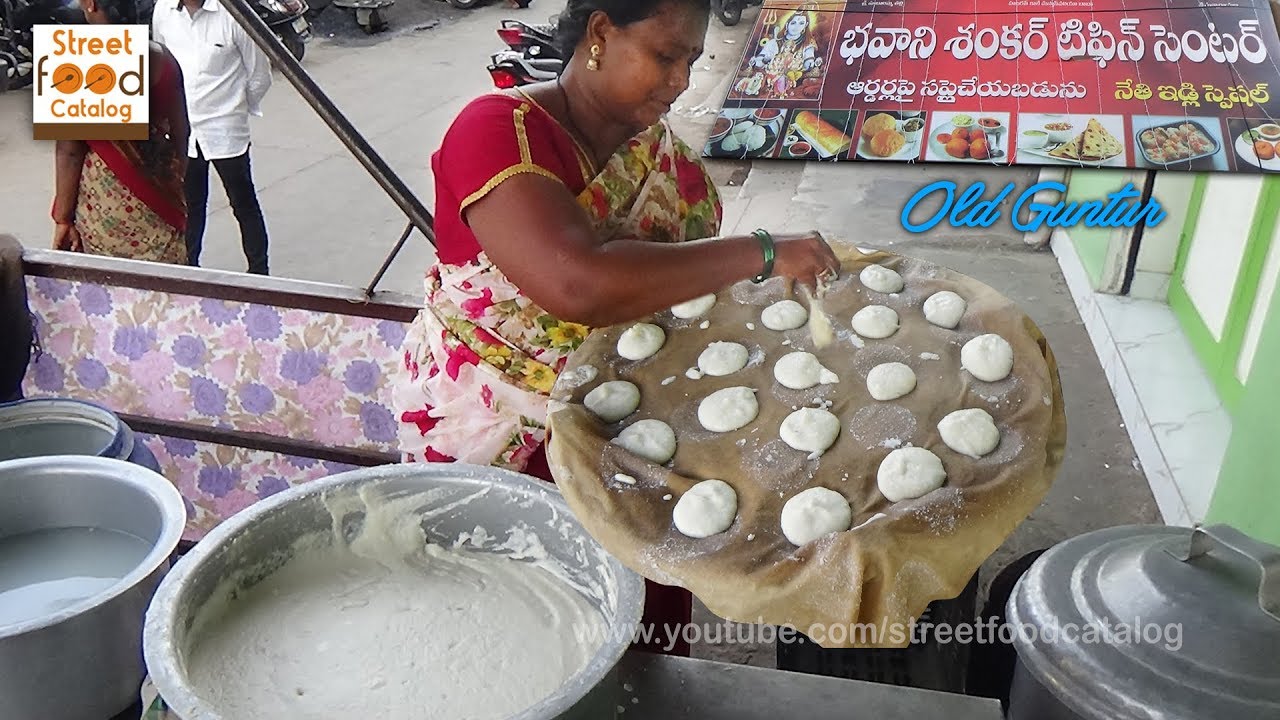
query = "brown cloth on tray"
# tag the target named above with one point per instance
(884, 573)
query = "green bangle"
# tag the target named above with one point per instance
(766, 246)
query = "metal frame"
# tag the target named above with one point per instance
(358, 457)
(395, 187)
(220, 285)
(285, 293)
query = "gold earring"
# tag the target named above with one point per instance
(594, 62)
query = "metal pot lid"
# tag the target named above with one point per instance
(1148, 622)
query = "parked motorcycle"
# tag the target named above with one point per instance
(509, 69)
(730, 11)
(535, 41)
(531, 55)
(18, 19)
(288, 20)
(468, 4)
(16, 61)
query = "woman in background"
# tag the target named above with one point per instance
(124, 198)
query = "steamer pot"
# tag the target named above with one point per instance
(1202, 612)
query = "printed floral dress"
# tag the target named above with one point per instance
(481, 358)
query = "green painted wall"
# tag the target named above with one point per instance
(1092, 244)
(1219, 357)
(1248, 491)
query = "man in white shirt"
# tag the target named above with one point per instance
(226, 76)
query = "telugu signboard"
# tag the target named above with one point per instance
(1185, 85)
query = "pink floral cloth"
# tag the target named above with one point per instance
(318, 377)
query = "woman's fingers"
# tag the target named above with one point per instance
(807, 258)
(66, 237)
(828, 265)
(800, 257)
(829, 254)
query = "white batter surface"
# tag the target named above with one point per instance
(396, 629)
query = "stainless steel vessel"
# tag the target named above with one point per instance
(1149, 623)
(39, 427)
(460, 498)
(84, 662)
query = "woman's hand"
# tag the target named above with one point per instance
(68, 162)
(804, 257)
(538, 235)
(66, 237)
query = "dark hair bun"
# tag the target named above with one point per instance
(572, 25)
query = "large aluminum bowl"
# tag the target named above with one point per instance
(84, 662)
(256, 541)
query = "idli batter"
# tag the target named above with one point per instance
(373, 631)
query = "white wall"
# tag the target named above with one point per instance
(1266, 289)
(1217, 247)
(1159, 250)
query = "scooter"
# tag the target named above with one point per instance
(534, 41)
(468, 4)
(288, 20)
(730, 11)
(509, 69)
(16, 61)
(531, 55)
(18, 19)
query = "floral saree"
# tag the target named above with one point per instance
(481, 358)
(131, 202)
(122, 215)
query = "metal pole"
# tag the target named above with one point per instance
(418, 214)
(386, 263)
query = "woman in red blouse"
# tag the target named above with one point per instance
(560, 207)
(124, 198)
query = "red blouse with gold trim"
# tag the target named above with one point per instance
(494, 138)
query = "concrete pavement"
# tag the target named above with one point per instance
(329, 221)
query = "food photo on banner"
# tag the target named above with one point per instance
(1181, 143)
(1059, 139)
(969, 137)
(1168, 85)
(892, 135)
(1254, 143)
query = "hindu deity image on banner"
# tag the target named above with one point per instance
(787, 54)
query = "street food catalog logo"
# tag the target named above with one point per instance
(91, 82)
